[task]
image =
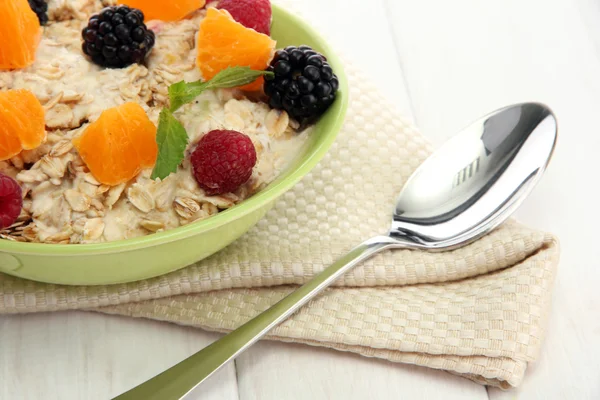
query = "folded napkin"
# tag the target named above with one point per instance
(479, 311)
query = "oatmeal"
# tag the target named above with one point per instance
(64, 202)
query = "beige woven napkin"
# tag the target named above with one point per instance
(478, 311)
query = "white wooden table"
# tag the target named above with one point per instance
(443, 63)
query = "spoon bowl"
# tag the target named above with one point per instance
(477, 179)
(465, 189)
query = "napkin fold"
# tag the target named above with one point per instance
(478, 311)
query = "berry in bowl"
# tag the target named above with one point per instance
(138, 140)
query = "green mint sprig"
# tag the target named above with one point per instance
(171, 136)
(172, 139)
(182, 93)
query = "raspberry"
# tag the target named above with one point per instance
(255, 14)
(223, 161)
(11, 201)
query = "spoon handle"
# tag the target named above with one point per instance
(179, 380)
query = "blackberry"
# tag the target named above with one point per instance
(304, 84)
(117, 37)
(40, 8)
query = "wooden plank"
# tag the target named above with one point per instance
(76, 355)
(465, 58)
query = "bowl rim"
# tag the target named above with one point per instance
(255, 202)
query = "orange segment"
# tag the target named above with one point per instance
(10, 145)
(29, 114)
(20, 34)
(223, 43)
(119, 144)
(172, 10)
(22, 125)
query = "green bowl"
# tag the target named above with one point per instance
(160, 253)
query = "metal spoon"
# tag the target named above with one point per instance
(464, 190)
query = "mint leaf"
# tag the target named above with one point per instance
(172, 140)
(181, 93)
(234, 77)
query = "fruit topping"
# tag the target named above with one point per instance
(117, 37)
(40, 8)
(223, 42)
(255, 14)
(171, 10)
(119, 144)
(304, 84)
(11, 201)
(22, 125)
(223, 161)
(20, 34)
